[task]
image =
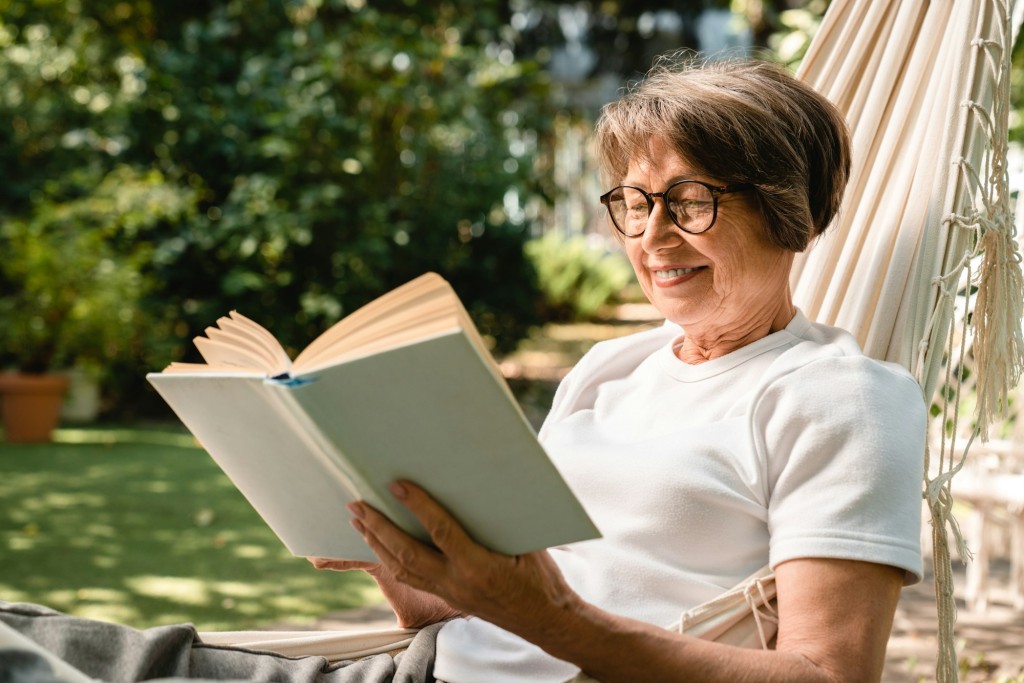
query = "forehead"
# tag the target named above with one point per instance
(659, 161)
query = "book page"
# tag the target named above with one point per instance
(178, 367)
(237, 344)
(418, 309)
(243, 342)
(238, 323)
(227, 354)
(412, 295)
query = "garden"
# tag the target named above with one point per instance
(166, 163)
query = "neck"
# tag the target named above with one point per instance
(702, 343)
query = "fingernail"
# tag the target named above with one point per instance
(356, 509)
(398, 491)
(357, 525)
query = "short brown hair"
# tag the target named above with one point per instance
(739, 121)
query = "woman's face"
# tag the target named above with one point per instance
(715, 283)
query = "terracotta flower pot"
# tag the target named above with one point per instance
(30, 405)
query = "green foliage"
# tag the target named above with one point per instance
(796, 30)
(1017, 91)
(312, 154)
(576, 278)
(339, 153)
(73, 271)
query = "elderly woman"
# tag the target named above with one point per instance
(738, 434)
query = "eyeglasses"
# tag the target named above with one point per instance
(691, 204)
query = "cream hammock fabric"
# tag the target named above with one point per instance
(925, 88)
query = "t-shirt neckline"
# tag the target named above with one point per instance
(686, 372)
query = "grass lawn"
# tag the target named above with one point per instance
(141, 527)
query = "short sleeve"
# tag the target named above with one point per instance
(843, 446)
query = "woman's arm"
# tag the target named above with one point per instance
(835, 615)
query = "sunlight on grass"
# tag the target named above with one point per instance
(118, 613)
(141, 527)
(251, 552)
(182, 590)
(100, 595)
(124, 436)
(237, 589)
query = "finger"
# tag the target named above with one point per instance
(445, 531)
(406, 558)
(340, 565)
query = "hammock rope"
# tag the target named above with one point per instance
(923, 266)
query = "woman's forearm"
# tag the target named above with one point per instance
(835, 617)
(612, 648)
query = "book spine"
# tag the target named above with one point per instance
(332, 459)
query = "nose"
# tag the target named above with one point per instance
(661, 232)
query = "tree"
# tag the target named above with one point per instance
(331, 150)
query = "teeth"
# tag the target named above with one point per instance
(674, 272)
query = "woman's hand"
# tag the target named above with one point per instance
(413, 608)
(822, 637)
(525, 594)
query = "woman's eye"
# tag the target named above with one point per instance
(691, 206)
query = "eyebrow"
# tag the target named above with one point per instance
(671, 181)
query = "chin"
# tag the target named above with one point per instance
(677, 310)
(680, 318)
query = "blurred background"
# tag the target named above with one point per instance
(166, 162)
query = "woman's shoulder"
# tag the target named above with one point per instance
(824, 353)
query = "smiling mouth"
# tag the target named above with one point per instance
(675, 272)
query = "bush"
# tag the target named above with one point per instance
(577, 278)
(72, 274)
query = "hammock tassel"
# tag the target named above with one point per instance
(999, 308)
(998, 311)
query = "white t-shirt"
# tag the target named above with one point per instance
(794, 446)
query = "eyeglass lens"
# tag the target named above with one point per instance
(691, 206)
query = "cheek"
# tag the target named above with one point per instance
(635, 255)
(744, 264)
(731, 266)
(758, 269)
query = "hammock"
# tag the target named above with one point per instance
(925, 89)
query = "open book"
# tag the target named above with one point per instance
(402, 388)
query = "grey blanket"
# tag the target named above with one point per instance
(114, 654)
